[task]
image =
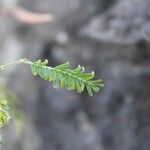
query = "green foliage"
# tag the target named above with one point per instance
(15, 108)
(14, 112)
(62, 76)
(4, 113)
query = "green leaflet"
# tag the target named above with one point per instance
(62, 66)
(62, 76)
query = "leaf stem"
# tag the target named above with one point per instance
(20, 61)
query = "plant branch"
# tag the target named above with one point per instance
(62, 76)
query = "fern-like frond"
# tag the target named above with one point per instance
(62, 76)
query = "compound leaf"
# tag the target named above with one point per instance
(62, 76)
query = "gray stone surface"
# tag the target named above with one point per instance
(126, 22)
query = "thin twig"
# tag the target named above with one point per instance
(20, 61)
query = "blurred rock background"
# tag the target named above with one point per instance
(111, 37)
